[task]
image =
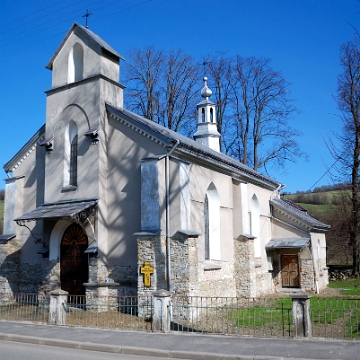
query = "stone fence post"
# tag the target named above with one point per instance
(57, 310)
(301, 315)
(162, 311)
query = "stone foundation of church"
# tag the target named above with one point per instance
(244, 267)
(152, 249)
(191, 277)
(110, 280)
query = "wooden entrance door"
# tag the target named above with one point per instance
(290, 271)
(74, 269)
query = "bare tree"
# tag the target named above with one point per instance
(218, 70)
(163, 86)
(254, 107)
(348, 152)
(178, 94)
(263, 111)
(143, 73)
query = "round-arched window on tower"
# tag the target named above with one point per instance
(76, 63)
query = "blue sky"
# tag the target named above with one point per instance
(301, 37)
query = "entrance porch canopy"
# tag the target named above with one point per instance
(287, 243)
(58, 210)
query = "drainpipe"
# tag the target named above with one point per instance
(167, 180)
(316, 281)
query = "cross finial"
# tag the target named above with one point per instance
(204, 65)
(86, 16)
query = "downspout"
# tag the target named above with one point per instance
(316, 281)
(167, 180)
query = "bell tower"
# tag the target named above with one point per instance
(206, 131)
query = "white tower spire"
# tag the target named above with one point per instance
(206, 132)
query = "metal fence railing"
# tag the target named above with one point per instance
(337, 318)
(25, 307)
(125, 312)
(233, 316)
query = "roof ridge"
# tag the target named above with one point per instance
(194, 147)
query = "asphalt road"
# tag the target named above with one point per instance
(18, 351)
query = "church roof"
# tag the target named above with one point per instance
(298, 214)
(23, 153)
(91, 35)
(192, 148)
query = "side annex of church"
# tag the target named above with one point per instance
(103, 201)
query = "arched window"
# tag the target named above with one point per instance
(206, 232)
(255, 224)
(75, 63)
(202, 115)
(70, 154)
(212, 224)
(73, 161)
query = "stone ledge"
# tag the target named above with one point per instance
(102, 284)
(209, 266)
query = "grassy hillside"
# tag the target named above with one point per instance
(332, 208)
(334, 197)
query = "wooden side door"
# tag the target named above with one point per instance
(290, 271)
(74, 269)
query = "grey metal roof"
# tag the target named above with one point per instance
(297, 214)
(6, 237)
(287, 243)
(57, 210)
(193, 148)
(90, 34)
(21, 153)
(91, 250)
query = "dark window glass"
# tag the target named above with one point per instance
(73, 162)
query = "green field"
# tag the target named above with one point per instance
(320, 198)
(311, 208)
(350, 286)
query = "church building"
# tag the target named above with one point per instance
(101, 201)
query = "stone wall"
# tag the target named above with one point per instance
(307, 280)
(184, 264)
(18, 277)
(264, 284)
(191, 277)
(110, 280)
(244, 267)
(152, 249)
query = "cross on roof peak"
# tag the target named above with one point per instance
(86, 16)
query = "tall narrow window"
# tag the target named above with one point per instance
(206, 219)
(75, 63)
(70, 155)
(73, 162)
(212, 224)
(255, 224)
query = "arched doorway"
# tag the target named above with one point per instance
(74, 269)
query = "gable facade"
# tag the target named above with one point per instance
(105, 190)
